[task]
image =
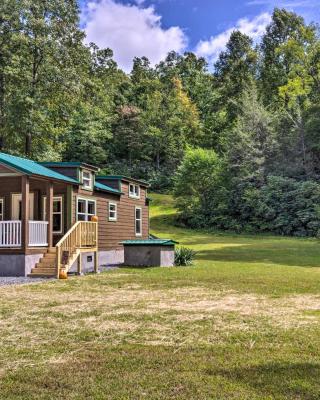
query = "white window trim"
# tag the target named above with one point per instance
(61, 213)
(113, 219)
(135, 221)
(133, 195)
(86, 199)
(90, 186)
(2, 202)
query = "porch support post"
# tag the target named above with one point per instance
(96, 253)
(69, 210)
(25, 188)
(96, 266)
(80, 264)
(49, 212)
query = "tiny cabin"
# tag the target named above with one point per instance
(59, 216)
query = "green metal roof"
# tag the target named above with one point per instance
(122, 177)
(62, 163)
(30, 167)
(68, 164)
(149, 242)
(105, 188)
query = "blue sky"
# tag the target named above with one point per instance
(154, 27)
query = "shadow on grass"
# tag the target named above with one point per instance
(279, 380)
(164, 220)
(244, 248)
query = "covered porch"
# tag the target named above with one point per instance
(38, 233)
(34, 212)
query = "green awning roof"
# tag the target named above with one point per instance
(30, 167)
(67, 164)
(149, 242)
(123, 177)
(105, 188)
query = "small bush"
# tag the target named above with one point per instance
(184, 257)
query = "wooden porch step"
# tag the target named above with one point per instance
(50, 256)
(44, 268)
(41, 275)
(47, 262)
(51, 250)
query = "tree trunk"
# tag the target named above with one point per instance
(28, 144)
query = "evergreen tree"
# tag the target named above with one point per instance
(235, 71)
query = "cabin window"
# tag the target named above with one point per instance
(57, 214)
(138, 221)
(134, 191)
(1, 209)
(87, 180)
(112, 211)
(86, 209)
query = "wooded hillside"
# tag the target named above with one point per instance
(253, 118)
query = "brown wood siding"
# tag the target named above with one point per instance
(85, 192)
(111, 233)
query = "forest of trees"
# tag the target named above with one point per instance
(238, 142)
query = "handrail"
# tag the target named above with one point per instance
(68, 233)
(83, 234)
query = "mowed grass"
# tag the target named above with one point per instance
(242, 323)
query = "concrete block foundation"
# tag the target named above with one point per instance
(18, 264)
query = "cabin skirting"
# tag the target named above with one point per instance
(18, 264)
(105, 258)
(111, 257)
(21, 264)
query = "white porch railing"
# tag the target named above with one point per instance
(10, 233)
(38, 233)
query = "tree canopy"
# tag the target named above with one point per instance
(255, 111)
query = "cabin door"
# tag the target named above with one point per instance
(16, 206)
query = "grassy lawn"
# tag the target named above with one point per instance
(243, 323)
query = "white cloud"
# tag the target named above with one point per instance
(254, 28)
(284, 3)
(130, 30)
(308, 9)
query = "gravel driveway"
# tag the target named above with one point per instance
(19, 280)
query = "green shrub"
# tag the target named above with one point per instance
(207, 197)
(184, 256)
